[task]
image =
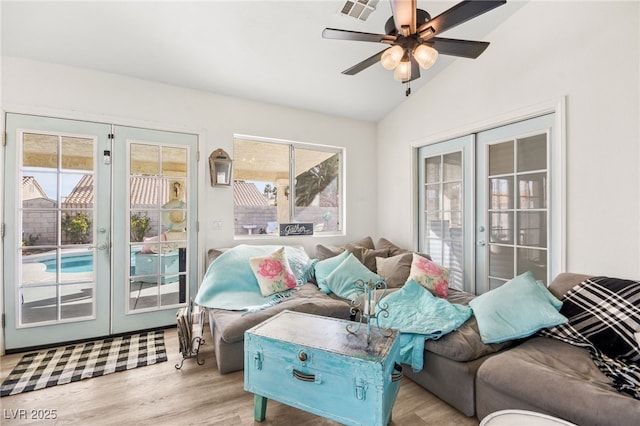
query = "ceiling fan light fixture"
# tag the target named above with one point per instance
(403, 71)
(412, 34)
(425, 55)
(392, 57)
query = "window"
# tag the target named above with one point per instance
(284, 182)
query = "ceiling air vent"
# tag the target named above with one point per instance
(359, 9)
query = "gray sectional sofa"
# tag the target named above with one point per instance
(451, 362)
(228, 327)
(553, 377)
(536, 373)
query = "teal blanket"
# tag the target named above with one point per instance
(419, 315)
(229, 282)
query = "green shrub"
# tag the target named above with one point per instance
(77, 227)
(140, 225)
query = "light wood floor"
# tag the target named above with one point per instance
(162, 395)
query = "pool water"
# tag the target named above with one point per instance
(71, 264)
(79, 262)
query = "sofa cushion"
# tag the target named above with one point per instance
(394, 270)
(555, 378)
(273, 272)
(463, 344)
(230, 283)
(325, 267)
(394, 250)
(231, 325)
(517, 309)
(325, 252)
(430, 275)
(564, 282)
(606, 311)
(604, 318)
(299, 261)
(342, 281)
(368, 257)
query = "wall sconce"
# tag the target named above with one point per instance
(220, 168)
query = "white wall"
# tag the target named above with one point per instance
(37, 87)
(587, 51)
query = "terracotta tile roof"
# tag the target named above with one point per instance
(82, 193)
(247, 194)
(144, 191)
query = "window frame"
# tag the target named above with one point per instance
(291, 207)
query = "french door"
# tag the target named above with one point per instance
(84, 208)
(514, 202)
(446, 206)
(156, 208)
(486, 204)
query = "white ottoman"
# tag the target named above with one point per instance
(522, 418)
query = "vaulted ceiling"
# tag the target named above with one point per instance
(264, 50)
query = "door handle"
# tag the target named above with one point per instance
(482, 243)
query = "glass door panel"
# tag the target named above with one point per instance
(513, 201)
(159, 215)
(57, 234)
(157, 278)
(60, 266)
(445, 201)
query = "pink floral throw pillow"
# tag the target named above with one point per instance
(431, 276)
(273, 272)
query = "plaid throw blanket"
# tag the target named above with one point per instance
(604, 318)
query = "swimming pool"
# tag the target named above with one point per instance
(76, 262)
(70, 262)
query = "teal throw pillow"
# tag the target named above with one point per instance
(342, 281)
(517, 309)
(557, 303)
(325, 267)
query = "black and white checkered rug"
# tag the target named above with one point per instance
(68, 364)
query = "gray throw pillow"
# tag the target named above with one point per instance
(393, 249)
(395, 269)
(368, 257)
(325, 252)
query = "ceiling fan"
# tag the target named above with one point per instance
(413, 38)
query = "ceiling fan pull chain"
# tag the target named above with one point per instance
(408, 91)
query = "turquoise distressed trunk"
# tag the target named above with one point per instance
(313, 363)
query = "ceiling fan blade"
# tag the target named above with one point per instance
(463, 48)
(456, 15)
(338, 34)
(364, 64)
(404, 14)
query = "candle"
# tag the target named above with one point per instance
(372, 306)
(369, 308)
